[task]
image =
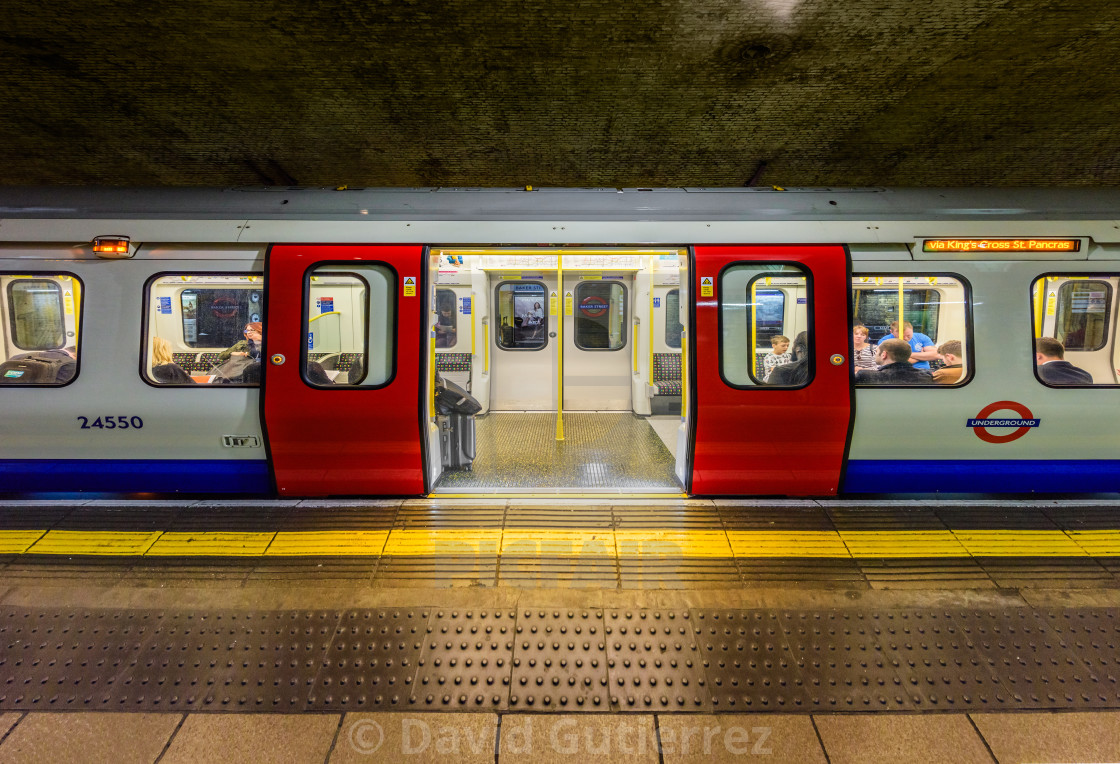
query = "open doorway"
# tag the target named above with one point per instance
(557, 370)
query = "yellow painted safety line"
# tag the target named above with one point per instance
(110, 543)
(902, 544)
(328, 544)
(592, 542)
(18, 542)
(210, 544)
(1098, 543)
(787, 544)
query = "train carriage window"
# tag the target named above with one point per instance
(1075, 342)
(764, 322)
(203, 329)
(447, 320)
(933, 347)
(350, 326)
(673, 326)
(600, 320)
(41, 315)
(522, 308)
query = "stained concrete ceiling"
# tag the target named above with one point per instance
(583, 93)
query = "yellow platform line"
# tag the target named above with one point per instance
(567, 542)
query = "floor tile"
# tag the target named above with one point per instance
(259, 738)
(392, 737)
(586, 738)
(901, 738)
(1062, 737)
(89, 737)
(733, 737)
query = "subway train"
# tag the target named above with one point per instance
(303, 342)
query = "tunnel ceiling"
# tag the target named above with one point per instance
(584, 93)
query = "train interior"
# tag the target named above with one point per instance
(574, 359)
(40, 328)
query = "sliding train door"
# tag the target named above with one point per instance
(342, 372)
(766, 423)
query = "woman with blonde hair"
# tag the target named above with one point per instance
(164, 369)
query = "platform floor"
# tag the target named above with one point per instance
(527, 630)
(600, 450)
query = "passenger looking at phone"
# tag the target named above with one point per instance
(922, 349)
(950, 373)
(893, 357)
(779, 355)
(1053, 369)
(863, 352)
(249, 347)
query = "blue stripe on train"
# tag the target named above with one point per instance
(134, 476)
(982, 476)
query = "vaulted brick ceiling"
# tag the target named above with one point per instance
(581, 93)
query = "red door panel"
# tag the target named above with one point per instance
(765, 441)
(356, 441)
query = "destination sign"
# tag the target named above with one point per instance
(1001, 245)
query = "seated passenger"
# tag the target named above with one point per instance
(1053, 369)
(863, 353)
(164, 369)
(893, 357)
(316, 375)
(249, 347)
(950, 373)
(922, 350)
(795, 373)
(778, 355)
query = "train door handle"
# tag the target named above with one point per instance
(278, 359)
(552, 334)
(836, 359)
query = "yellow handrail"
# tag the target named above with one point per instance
(331, 313)
(1039, 305)
(754, 329)
(560, 350)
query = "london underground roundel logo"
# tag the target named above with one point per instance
(593, 306)
(985, 420)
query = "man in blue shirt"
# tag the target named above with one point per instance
(922, 348)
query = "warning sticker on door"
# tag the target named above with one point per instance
(567, 303)
(409, 286)
(552, 309)
(705, 286)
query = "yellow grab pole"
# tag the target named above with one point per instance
(1039, 304)
(560, 348)
(901, 316)
(754, 329)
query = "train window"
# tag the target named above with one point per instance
(350, 329)
(203, 328)
(673, 326)
(447, 320)
(934, 346)
(600, 320)
(40, 337)
(764, 322)
(522, 315)
(1075, 343)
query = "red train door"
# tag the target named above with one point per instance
(342, 376)
(767, 424)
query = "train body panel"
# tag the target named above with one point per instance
(612, 290)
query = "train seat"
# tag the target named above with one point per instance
(665, 383)
(455, 367)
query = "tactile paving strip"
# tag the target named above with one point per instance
(573, 659)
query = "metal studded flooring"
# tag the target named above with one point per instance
(519, 451)
(565, 659)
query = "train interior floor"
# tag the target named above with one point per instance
(616, 451)
(620, 629)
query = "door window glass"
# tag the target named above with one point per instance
(447, 320)
(204, 328)
(1075, 341)
(673, 326)
(934, 345)
(522, 309)
(764, 317)
(350, 331)
(600, 315)
(41, 329)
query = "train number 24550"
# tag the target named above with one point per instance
(112, 423)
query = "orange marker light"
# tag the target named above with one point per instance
(111, 245)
